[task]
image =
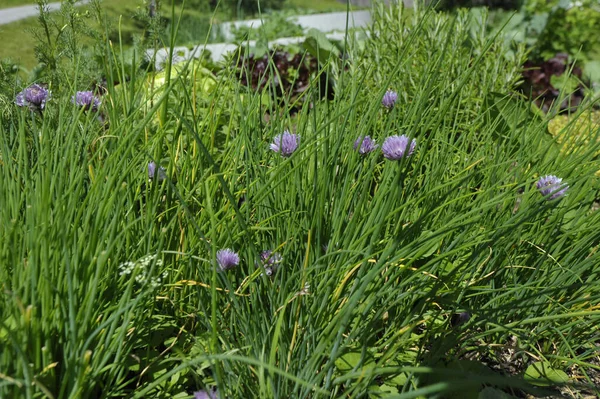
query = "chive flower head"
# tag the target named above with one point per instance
(398, 147)
(34, 96)
(365, 145)
(552, 186)
(227, 259)
(285, 143)
(152, 172)
(86, 100)
(210, 394)
(389, 99)
(271, 261)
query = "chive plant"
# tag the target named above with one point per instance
(410, 237)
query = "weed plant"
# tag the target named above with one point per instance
(443, 273)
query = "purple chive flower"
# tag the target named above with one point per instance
(551, 184)
(389, 99)
(35, 96)
(211, 394)
(365, 145)
(270, 261)
(162, 173)
(227, 259)
(285, 143)
(269, 257)
(395, 147)
(86, 100)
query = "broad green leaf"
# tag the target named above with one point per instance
(399, 380)
(591, 70)
(319, 46)
(430, 244)
(542, 374)
(383, 391)
(351, 360)
(538, 23)
(565, 83)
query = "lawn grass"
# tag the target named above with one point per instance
(317, 6)
(17, 42)
(22, 50)
(15, 3)
(439, 270)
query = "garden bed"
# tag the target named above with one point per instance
(381, 217)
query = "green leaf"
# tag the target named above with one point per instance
(383, 391)
(399, 380)
(538, 23)
(261, 48)
(182, 395)
(591, 70)
(564, 83)
(319, 46)
(516, 22)
(388, 389)
(431, 243)
(351, 360)
(542, 374)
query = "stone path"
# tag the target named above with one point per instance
(8, 15)
(218, 51)
(328, 22)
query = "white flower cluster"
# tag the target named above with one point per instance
(142, 276)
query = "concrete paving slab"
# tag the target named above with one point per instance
(327, 22)
(218, 51)
(333, 24)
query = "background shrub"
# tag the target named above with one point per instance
(245, 8)
(493, 4)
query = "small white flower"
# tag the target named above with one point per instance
(305, 290)
(126, 268)
(142, 276)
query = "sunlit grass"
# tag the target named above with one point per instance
(318, 6)
(109, 280)
(17, 43)
(15, 3)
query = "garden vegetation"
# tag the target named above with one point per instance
(404, 226)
